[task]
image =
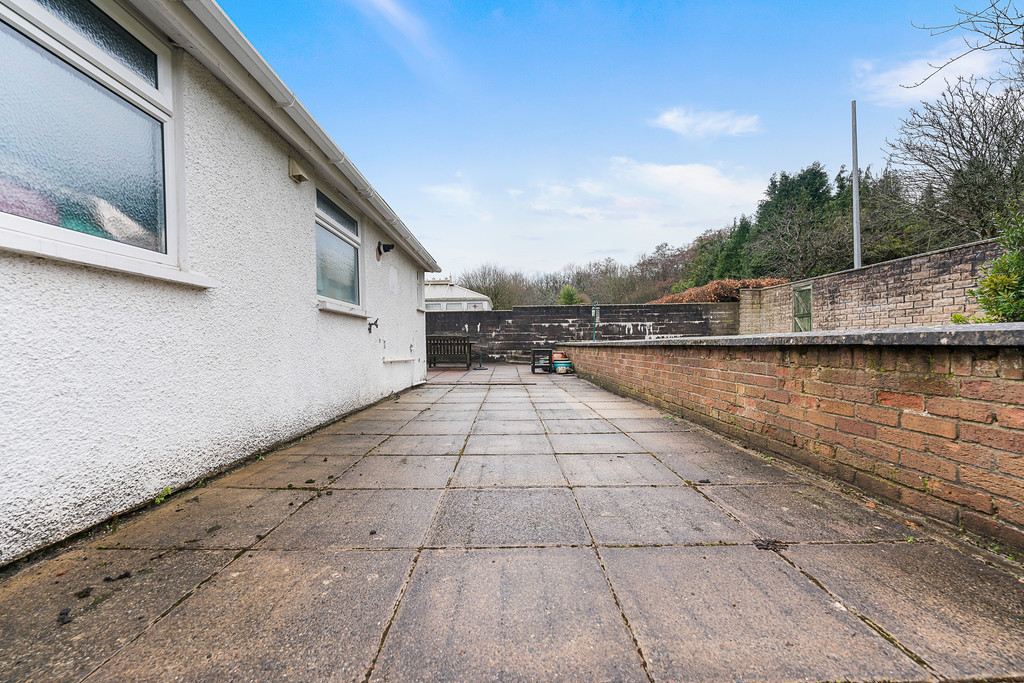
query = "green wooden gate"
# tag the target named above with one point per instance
(802, 320)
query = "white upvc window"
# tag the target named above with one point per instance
(338, 262)
(87, 138)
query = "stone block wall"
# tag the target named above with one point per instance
(918, 290)
(510, 335)
(931, 420)
(769, 309)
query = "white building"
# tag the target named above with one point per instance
(190, 269)
(443, 295)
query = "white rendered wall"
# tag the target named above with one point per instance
(114, 386)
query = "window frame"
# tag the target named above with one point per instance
(50, 33)
(355, 240)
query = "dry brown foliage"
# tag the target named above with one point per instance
(719, 290)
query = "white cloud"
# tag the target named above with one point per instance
(661, 199)
(410, 36)
(892, 85)
(455, 193)
(619, 207)
(706, 124)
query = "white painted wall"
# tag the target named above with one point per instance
(114, 386)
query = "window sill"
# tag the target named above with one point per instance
(399, 360)
(331, 306)
(31, 245)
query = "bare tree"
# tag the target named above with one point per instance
(962, 156)
(998, 26)
(798, 243)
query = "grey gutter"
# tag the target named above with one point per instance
(213, 18)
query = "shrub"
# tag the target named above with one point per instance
(569, 296)
(719, 290)
(1000, 290)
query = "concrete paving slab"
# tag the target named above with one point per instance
(637, 469)
(448, 444)
(458, 403)
(512, 414)
(662, 515)
(797, 513)
(428, 427)
(636, 411)
(441, 415)
(295, 616)
(650, 424)
(102, 615)
(963, 618)
(391, 411)
(208, 518)
(277, 471)
(731, 467)
(562, 412)
(476, 471)
(507, 517)
(508, 615)
(738, 613)
(556, 425)
(489, 426)
(508, 444)
(358, 519)
(335, 444)
(398, 472)
(368, 426)
(676, 442)
(594, 443)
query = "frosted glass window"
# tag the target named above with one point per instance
(433, 307)
(453, 307)
(74, 154)
(336, 213)
(95, 25)
(337, 267)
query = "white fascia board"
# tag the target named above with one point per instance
(206, 32)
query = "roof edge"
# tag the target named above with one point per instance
(277, 99)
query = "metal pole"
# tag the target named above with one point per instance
(856, 191)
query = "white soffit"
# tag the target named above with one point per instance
(206, 32)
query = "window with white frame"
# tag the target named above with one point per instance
(337, 252)
(86, 133)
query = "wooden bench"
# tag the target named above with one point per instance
(449, 349)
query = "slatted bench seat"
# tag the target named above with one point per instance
(447, 349)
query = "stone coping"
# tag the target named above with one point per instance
(990, 334)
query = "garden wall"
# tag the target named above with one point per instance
(509, 335)
(931, 418)
(914, 291)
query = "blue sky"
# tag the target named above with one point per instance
(534, 134)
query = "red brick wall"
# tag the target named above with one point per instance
(940, 430)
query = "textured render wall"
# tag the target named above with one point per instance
(914, 291)
(938, 429)
(509, 335)
(116, 386)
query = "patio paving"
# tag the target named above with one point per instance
(500, 525)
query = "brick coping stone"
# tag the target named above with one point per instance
(988, 334)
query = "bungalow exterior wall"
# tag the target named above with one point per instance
(116, 385)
